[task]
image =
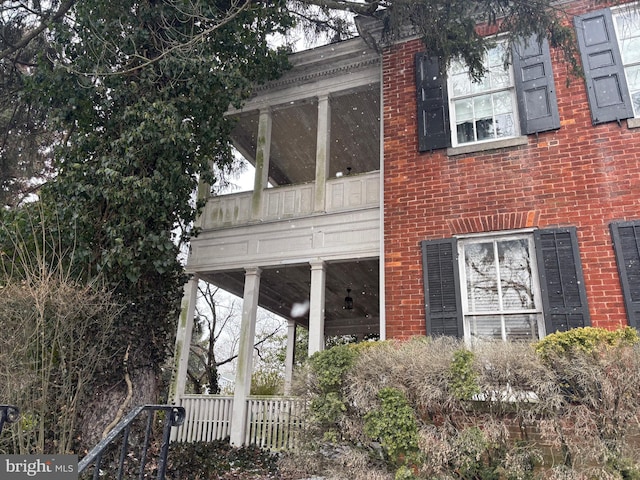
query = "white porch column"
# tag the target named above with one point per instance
(263, 151)
(323, 147)
(316, 307)
(245, 355)
(288, 363)
(183, 341)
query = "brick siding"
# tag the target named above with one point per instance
(580, 175)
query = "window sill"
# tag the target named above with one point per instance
(482, 147)
(633, 122)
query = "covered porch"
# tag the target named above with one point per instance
(307, 236)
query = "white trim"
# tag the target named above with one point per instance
(501, 233)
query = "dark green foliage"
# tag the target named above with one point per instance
(329, 369)
(140, 121)
(394, 425)
(463, 377)
(218, 460)
(330, 366)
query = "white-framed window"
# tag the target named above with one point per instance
(500, 288)
(484, 110)
(626, 22)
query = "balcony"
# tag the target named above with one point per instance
(347, 193)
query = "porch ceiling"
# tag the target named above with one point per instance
(282, 287)
(355, 136)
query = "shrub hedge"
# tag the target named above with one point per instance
(567, 407)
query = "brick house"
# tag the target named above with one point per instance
(397, 201)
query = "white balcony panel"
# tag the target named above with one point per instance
(286, 202)
(351, 237)
(353, 191)
(277, 246)
(226, 211)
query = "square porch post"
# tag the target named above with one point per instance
(245, 355)
(316, 307)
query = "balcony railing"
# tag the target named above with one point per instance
(273, 422)
(346, 193)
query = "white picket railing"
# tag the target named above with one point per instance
(208, 418)
(272, 422)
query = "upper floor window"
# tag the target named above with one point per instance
(485, 109)
(627, 26)
(519, 99)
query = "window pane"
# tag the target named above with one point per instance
(628, 23)
(457, 66)
(515, 274)
(635, 98)
(633, 81)
(502, 102)
(522, 327)
(630, 50)
(483, 107)
(505, 127)
(633, 77)
(496, 55)
(464, 110)
(485, 327)
(482, 281)
(500, 78)
(517, 327)
(484, 129)
(465, 132)
(482, 86)
(461, 84)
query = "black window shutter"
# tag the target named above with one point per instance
(564, 296)
(442, 287)
(433, 108)
(537, 102)
(604, 74)
(626, 244)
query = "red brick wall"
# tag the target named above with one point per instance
(581, 175)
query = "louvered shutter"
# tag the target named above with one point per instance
(433, 108)
(442, 287)
(535, 89)
(603, 70)
(626, 244)
(564, 296)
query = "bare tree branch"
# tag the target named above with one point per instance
(45, 22)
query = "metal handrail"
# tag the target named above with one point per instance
(175, 417)
(8, 414)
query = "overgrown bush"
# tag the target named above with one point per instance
(218, 460)
(567, 407)
(54, 334)
(585, 340)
